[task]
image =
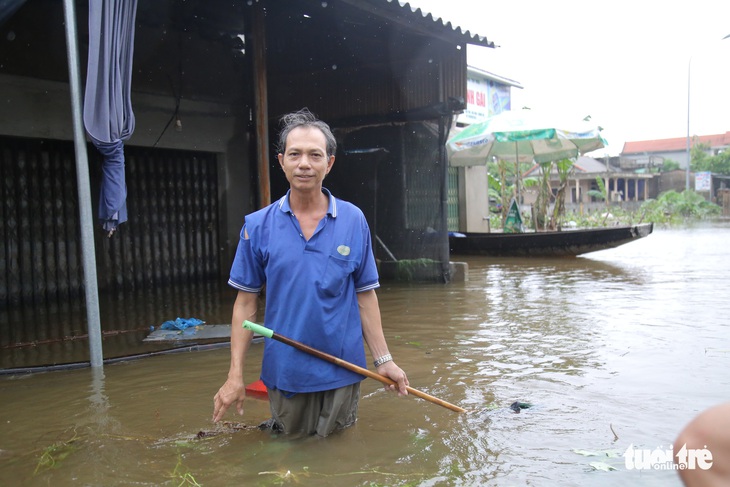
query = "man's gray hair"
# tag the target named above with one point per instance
(304, 118)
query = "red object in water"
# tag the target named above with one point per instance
(257, 389)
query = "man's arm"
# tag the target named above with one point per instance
(707, 432)
(234, 390)
(372, 330)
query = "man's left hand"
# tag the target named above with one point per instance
(395, 373)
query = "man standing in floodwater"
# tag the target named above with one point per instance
(313, 254)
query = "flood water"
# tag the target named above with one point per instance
(616, 348)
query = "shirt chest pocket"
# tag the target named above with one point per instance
(336, 274)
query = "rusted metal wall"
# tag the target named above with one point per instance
(398, 188)
(454, 74)
(171, 236)
(39, 248)
(349, 94)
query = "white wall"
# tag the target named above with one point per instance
(476, 204)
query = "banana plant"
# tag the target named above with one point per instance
(500, 188)
(544, 195)
(601, 193)
(565, 169)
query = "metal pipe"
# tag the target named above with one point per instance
(444, 125)
(686, 171)
(83, 187)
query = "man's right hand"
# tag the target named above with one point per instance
(233, 391)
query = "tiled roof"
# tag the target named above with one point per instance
(673, 145)
(589, 165)
(583, 165)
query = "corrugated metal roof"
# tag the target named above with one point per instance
(429, 20)
(494, 77)
(359, 59)
(417, 19)
(675, 144)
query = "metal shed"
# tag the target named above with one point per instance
(387, 77)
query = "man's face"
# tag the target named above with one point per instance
(305, 160)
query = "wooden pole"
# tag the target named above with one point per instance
(261, 105)
(363, 371)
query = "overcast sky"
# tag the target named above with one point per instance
(626, 63)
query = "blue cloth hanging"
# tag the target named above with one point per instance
(108, 115)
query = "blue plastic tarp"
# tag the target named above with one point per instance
(181, 323)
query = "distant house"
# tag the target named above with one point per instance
(624, 186)
(653, 153)
(645, 155)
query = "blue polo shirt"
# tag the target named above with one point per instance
(311, 290)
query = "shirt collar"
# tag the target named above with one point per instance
(331, 209)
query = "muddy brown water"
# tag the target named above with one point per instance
(617, 348)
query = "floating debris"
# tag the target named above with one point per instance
(518, 406)
(225, 427)
(602, 466)
(598, 453)
(54, 454)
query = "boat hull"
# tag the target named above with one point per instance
(564, 243)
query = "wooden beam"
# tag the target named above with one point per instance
(261, 104)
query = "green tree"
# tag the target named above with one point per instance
(669, 165)
(720, 163)
(699, 157)
(702, 161)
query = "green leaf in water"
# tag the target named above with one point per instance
(55, 453)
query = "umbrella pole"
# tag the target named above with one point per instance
(518, 192)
